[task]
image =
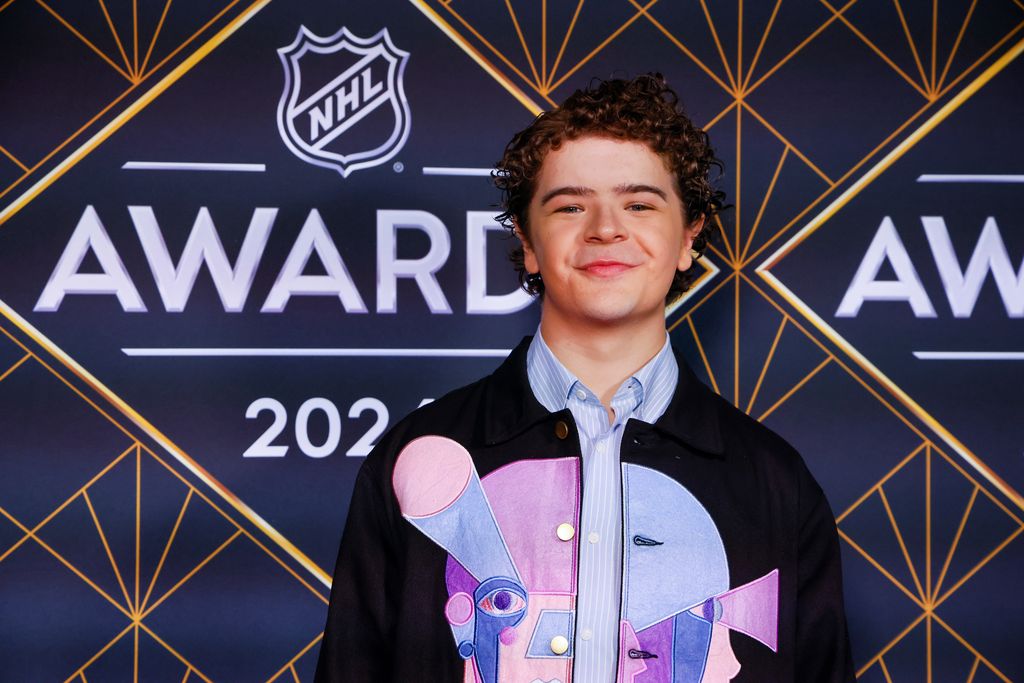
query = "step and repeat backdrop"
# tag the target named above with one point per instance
(238, 240)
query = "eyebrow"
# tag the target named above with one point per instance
(625, 188)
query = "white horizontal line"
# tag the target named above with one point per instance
(191, 166)
(970, 178)
(969, 355)
(454, 170)
(258, 352)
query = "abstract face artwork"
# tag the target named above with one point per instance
(511, 578)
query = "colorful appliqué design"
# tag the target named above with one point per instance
(511, 580)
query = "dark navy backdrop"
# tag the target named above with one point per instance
(176, 475)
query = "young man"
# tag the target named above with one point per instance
(591, 511)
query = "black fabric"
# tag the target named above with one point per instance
(386, 616)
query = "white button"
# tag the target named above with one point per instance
(587, 634)
(580, 394)
(565, 531)
(593, 537)
(559, 645)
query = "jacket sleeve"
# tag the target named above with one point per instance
(361, 613)
(822, 642)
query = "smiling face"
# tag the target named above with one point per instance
(607, 232)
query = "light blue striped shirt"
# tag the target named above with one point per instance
(643, 396)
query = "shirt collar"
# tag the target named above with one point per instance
(552, 382)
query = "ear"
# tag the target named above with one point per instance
(690, 233)
(529, 255)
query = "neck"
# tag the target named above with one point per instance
(603, 356)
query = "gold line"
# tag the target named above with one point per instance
(167, 549)
(878, 484)
(764, 367)
(132, 109)
(136, 665)
(885, 58)
(739, 47)
(764, 270)
(982, 58)
(106, 546)
(493, 49)
(885, 670)
(760, 46)
(544, 42)
(928, 640)
(764, 204)
(967, 645)
(152, 41)
(188, 671)
(135, 35)
(85, 40)
(725, 242)
(84, 679)
(80, 491)
(974, 670)
(935, 39)
(561, 50)
(978, 566)
(928, 523)
(13, 158)
(703, 299)
(792, 53)
(718, 44)
(717, 252)
(842, 179)
(138, 522)
(5, 5)
(81, 669)
(736, 346)
(297, 657)
(295, 674)
(739, 177)
(785, 141)
(792, 391)
(974, 481)
(910, 41)
(718, 117)
(192, 573)
(703, 356)
(247, 534)
(890, 645)
(522, 41)
(903, 546)
(685, 50)
(80, 575)
(956, 44)
(174, 652)
(15, 366)
(117, 38)
(841, 364)
(600, 47)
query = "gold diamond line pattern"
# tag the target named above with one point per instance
(135, 68)
(137, 599)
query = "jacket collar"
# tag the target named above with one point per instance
(510, 406)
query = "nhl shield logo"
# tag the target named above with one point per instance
(343, 104)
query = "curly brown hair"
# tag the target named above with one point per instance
(644, 109)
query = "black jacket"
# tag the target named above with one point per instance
(387, 619)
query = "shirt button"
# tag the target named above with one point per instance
(565, 531)
(594, 537)
(587, 634)
(559, 645)
(580, 394)
(561, 429)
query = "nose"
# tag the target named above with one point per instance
(605, 225)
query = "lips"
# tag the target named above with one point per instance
(605, 267)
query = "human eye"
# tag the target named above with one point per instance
(637, 207)
(571, 208)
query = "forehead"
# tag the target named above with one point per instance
(602, 163)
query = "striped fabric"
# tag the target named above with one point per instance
(643, 396)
